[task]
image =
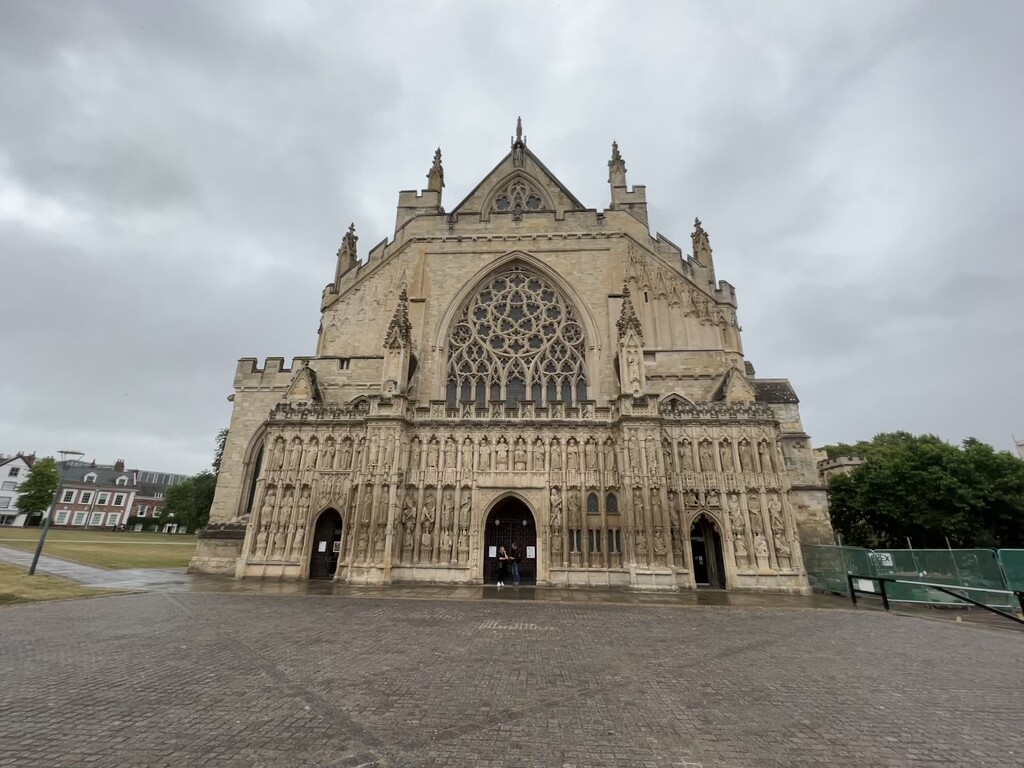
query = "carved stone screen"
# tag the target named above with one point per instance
(517, 340)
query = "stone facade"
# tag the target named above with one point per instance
(525, 361)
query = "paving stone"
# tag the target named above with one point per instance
(198, 679)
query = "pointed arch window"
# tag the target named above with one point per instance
(517, 340)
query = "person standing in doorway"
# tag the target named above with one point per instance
(503, 559)
(515, 557)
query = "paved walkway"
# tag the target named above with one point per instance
(155, 680)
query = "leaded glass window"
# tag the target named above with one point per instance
(517, 339)
(592, 508)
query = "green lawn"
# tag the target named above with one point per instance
(107, 549)
(16, 586)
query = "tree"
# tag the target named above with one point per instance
(190, 500)
(218, 455)
(36, 494)
(927, 490)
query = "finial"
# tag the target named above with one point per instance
(435, 176)
(519, 128)
(616, 167)
(348, 243)
(628, 320)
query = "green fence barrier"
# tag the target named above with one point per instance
(1012, 561)
(952, 567)
(828, 566)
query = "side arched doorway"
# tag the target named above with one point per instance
(326, 550)
(510, 522)
(706, 549)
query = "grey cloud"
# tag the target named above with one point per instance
(175, 180)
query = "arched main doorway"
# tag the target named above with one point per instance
(323, 559)
(706, 549)
(510, 521)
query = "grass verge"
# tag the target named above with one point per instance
(107, 549)
(16, 586)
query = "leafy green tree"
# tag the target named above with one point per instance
(36, 494)
(190, 500)
(927, 490)
(222, 439)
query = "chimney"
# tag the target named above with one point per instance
(93, 464)
(119, 465)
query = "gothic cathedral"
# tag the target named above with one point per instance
(519, 369)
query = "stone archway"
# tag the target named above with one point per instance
(706, 553)
(510, 521)
(325, 549)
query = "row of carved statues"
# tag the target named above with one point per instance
(650, 455)
(435, 526)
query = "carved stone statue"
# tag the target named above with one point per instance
(633, 370)
(296, 456)
(447, 509)
(501, 464)
(634, 456)
(686, 456)
(367, 507)
(427, 527)
(573, 461)
(279, 536)
(269, 502)
(707, 460)
(610, 463)
(485, 456)
(575, 520)
(465, 509)
(519, 458)
(555, 499)
(449, 453)
(467, 455)
(433, 452)
(746, 457)
(638, 507)
(346, 454)
(414, 455)
(590, 455)
(327, 456)
(287, 507)
(725, 455)
(714, 500)
(408, 519)
(379, 537)
(782, 550)
(775, 514)
(304, 506)
(652, 457)
(261, 539)
(765, 457)
(538, 455)
(277, 458)
(556, 456)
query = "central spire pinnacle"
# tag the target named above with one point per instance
(519, 128)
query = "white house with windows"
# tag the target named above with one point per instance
(13, 472)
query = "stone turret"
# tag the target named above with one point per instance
(702, 250)
(633, 201)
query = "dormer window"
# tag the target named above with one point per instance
(122, 480)
(91, 477)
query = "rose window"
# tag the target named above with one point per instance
(517, 340)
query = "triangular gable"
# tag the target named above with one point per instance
(303, 387)
(734, 388)
(556, 196)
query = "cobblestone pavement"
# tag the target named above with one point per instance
(203, 679)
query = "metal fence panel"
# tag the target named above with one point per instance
(828, 565)
(1012, 562)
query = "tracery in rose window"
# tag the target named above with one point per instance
(517, 340)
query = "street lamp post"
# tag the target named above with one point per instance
(53, 507)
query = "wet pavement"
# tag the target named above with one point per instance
(130, 579)
(164, 679)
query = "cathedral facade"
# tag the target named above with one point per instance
(519, 369)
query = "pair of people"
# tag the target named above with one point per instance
(508, 560)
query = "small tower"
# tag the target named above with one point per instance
(631, 348)
(633, 201)
(426, 202)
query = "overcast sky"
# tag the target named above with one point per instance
(175, 179)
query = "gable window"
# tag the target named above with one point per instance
(122, 480)
(518, 196)
(14, 472)
(91, 477)
(517, 340)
